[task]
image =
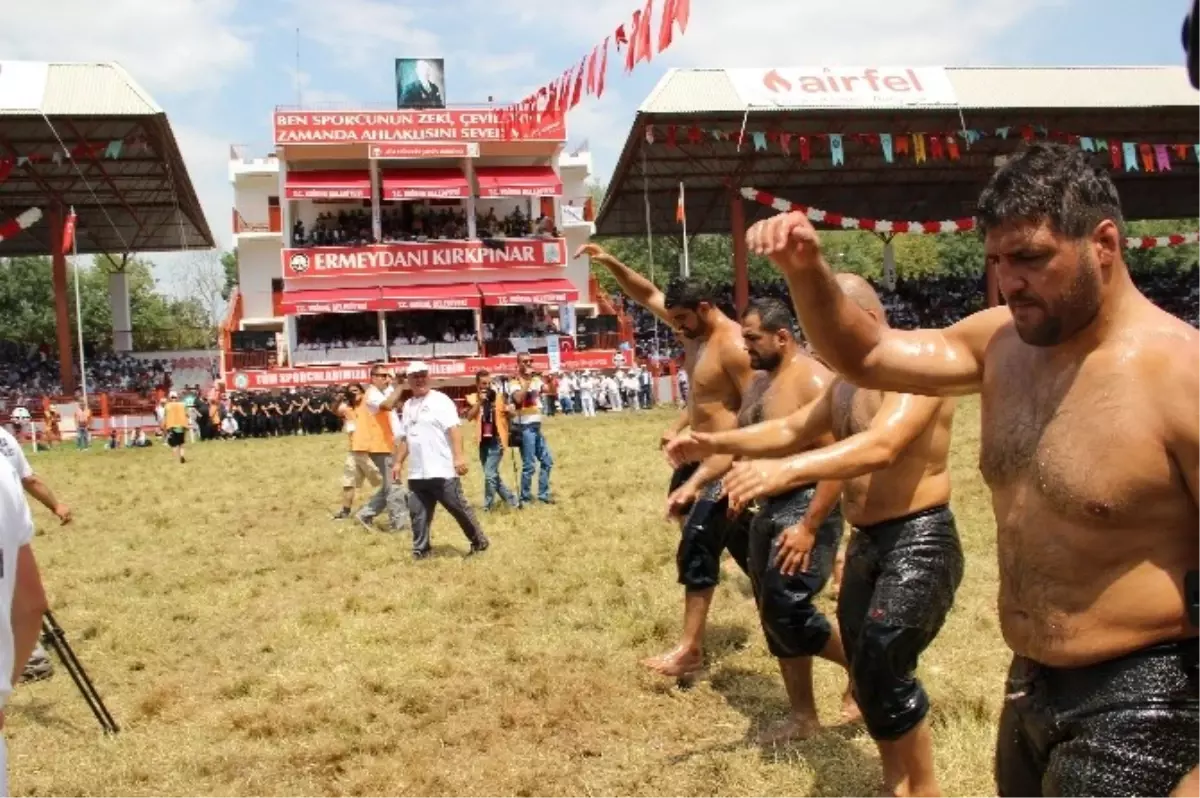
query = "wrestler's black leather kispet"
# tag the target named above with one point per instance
(793, 626)
(898, 585)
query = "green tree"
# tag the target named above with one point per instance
(229, 261)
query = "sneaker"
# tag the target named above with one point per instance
(38, 668)
(342, 514)
(546, 501)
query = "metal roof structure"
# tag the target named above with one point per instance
(95, 140)
(1148, 104)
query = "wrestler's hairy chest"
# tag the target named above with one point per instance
(1078, 437)
(853, 408)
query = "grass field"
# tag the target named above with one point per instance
(248, 645)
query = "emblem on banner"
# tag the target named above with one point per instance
(618, 360)
(298, 263)
(241, 382)
(551, 254)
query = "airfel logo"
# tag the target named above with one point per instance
(847, 82)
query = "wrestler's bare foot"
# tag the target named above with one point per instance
(678, 663)
(794, 729)
(850, 711)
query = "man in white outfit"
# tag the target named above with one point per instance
(22, 599)
(587, 394)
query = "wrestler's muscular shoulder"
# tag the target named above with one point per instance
(720, 377)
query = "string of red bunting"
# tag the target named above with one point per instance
(919, 228)
(551, 102)
(937, 145)
(133, 144)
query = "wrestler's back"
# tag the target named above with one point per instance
(1095, 525)
(918, 478)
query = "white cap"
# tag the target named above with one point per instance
(416, 367)
(173, 395)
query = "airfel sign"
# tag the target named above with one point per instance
(393, 127)
(843, 87)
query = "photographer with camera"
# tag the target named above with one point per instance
(488, 406)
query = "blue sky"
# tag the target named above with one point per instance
(219, 67)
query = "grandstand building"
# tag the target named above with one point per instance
(382, 237)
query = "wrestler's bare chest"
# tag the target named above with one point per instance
(1077, 439)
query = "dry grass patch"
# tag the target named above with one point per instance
(248, 645)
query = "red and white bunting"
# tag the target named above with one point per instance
(851, 223)
(1154, 242)
(919, 228)
(11, 228)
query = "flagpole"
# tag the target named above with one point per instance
(78, 312)
(687, 266)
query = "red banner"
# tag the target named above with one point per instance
(451, 149)
(431, 256)
(390, 127)
(439, 369)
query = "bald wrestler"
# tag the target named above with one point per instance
(719, 372)
(1089, 444)
(904, 563)
(796, 631)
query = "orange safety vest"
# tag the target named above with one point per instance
(372, 431)
(176, 416)
(501, 419)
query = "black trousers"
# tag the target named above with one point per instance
(423, 497)
(1123, 727)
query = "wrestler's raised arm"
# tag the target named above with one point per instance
(775, 438)
(635, 286)
(945, 362)
(901, 418)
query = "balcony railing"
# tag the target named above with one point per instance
(272, 224)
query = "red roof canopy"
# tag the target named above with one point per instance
(453, 296)
(518, 181)
(555, 291)
(332, 300)
(328, 184)
(406, 184)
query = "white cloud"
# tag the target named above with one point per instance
(175, 46)
(365, 33)
(207, 159)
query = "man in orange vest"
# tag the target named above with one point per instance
(175, 424)
(488, 406)
(376, 433)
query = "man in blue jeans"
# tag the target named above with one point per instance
(526, 394)
(487, 406)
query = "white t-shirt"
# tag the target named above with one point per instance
(373, 399)
(11, 451)
(16, 530)
(527, 414)
(426, 422)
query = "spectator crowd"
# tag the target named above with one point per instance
(420, 222)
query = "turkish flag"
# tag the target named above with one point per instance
(675, 11)
(68, 236)
(639, 38)
(603, 68)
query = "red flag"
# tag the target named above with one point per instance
(591, 71)
(680, 213)
(68, 235)
(621, 37)
(578, 92)
(6, 167)
(640, 48)
(603, 68)
(675, 11)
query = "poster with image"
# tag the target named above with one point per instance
(420, 83)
